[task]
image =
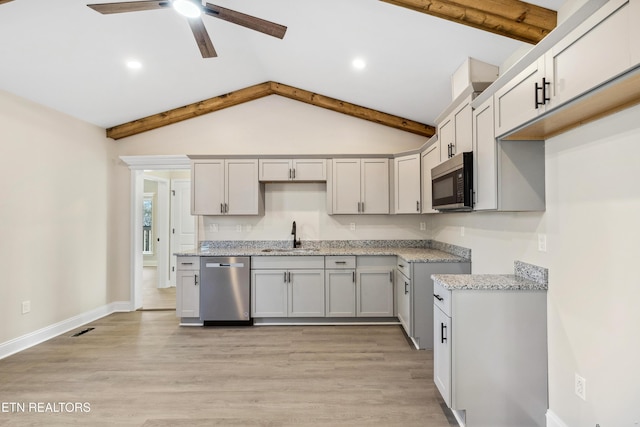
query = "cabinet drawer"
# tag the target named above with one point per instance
(404, 267)
(340, 262)
(188, 263)
(442, 298)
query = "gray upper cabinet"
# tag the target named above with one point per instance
(358, 186)
(225, 187)
(407, 184)
(278, 170)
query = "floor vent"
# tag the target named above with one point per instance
(83, 332)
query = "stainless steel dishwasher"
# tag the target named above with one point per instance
(225, 291)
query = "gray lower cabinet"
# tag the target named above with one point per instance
(414, 296)
(490, 355)
(374, 286)
(283, 286)
(340, 292)
(188, 287)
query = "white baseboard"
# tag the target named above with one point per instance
(553, 420)
(36, 337)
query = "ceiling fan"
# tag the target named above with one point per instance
(193, 10)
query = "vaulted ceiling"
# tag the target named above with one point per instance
(71, 58)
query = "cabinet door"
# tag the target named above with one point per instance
(309, 169)
(430, 159)
(374, 180)
(306, 293)
(485, 169)
(275, 169)
(407, 184)
(515, 103)
(374, 293)
(403, 298)
(187, 293)
(242, 188)
(596, 51)
(346, 186)
(462, 140)
(269, 293)
(442, 353)
(207, 187)
(446, 135)
(340, 293)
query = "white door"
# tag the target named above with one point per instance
(183, 224)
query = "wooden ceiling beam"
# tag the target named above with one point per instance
(258, 91)
(510, 18)
(353, 110)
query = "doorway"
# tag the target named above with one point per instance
(168, 171)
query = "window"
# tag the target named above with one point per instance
(147, 224)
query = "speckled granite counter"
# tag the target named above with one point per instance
(409, 250)
(525, 277)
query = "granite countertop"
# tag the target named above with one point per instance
(387, 248)
(525, 277)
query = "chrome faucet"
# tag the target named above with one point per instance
(296, 243)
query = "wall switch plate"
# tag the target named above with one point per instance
(423, 226)
(581, 387)
(26, 307)
(542, 242)
(462, 231)
(352, 226)
(213, 228)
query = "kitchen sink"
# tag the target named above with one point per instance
(292, 250)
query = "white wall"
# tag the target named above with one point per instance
(55, 176)
(592, 223)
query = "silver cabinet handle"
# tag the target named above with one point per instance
(418, 206)
(221, 207)
(289, 277)
(405, 288)
(341, 262)
(391, 276)
(354, 276)
(289, 173)
(285, 277)
(294, 174)
(226, 208)
(195, 282)
(443, 327)
(362, 207)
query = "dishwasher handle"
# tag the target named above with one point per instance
(224, 265)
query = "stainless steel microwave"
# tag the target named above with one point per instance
(452, 184)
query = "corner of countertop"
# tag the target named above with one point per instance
(531, 272)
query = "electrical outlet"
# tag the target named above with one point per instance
(462, 231)
(248, 227)
(352, 226)
(26, 307)
(239, 228)
(542, 242)
(423, 226)
(213, 228)
(581, 387)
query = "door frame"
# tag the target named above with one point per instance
(137, 165)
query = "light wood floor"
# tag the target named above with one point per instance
(154, 298)
(142, 369)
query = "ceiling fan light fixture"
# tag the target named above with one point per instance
(187, 8)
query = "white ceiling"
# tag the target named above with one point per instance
(67, 56)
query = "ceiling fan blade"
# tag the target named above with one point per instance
(131, 6)
(251, 22)
(202, 38)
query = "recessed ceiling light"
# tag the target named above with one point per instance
(187, 8)
(134, 65)
(359, 64)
